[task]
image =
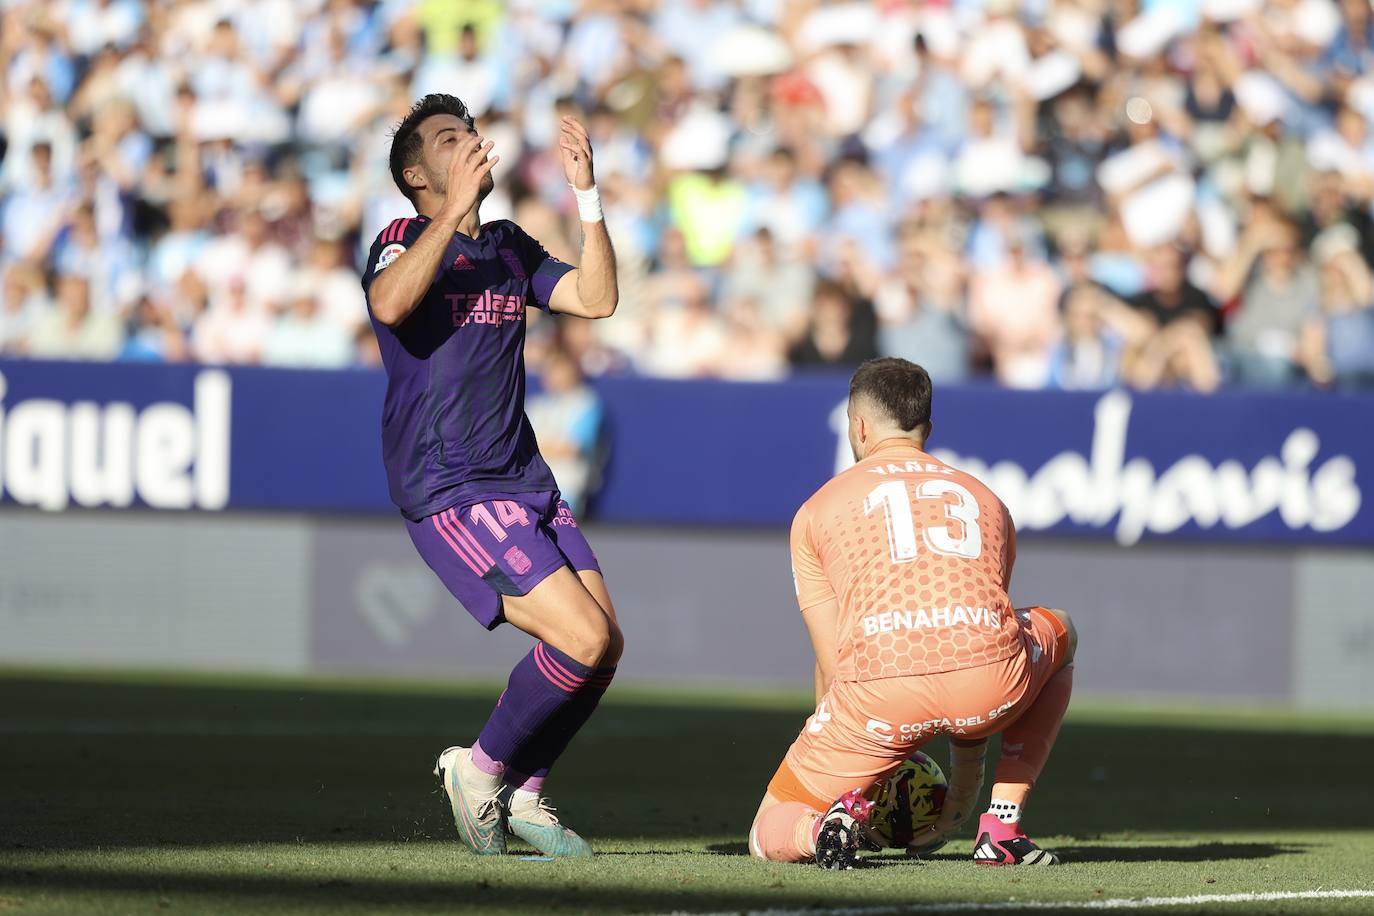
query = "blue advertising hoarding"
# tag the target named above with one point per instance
(1129, 466)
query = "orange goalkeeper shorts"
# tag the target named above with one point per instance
(861, 730)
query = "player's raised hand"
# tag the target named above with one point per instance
(576, 149)
(471, 162)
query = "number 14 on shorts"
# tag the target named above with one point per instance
(508, 514)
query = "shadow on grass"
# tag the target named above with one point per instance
(1199, 852)
(121, 764)
(228, 892)
(1087, 852)
(728, 849)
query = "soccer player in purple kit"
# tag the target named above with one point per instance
(447, 296)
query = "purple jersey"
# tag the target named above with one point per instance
(454, 429)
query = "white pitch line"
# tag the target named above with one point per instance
(1114, 903)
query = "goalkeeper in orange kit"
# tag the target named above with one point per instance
(902, 566)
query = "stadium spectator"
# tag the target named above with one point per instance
(755, 349)
(1100, 332)
(110, 264)
(779, 283)
(789, 207)
(685, 335)
(73, 330)
(1090, 353)
(34, 212)
(1277, 290)
(1178, 323)
(179, 248)
(34, 118)
(708, 208)
(921, 311)
(335, 284)
(152, 334)
(566, 415)
(842, 334)
(303, 335)
(227, 330)
(1014, 309)
(1338, 337)
(23, 302)
(250, 255)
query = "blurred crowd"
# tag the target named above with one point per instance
(1053, 193)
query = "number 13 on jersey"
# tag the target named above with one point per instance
(957, 537)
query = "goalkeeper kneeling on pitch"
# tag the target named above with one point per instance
(902, 566)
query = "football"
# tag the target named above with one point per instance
(907, 800)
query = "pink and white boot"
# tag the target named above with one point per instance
(840, 832)
(1000, 843)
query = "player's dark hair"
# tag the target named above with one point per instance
(899, 388)
(406, 142)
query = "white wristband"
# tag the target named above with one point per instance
(588, 204)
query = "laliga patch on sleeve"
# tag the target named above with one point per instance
(389, 254)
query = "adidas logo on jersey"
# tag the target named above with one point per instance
(463, 262)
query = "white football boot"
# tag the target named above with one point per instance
(475, 799)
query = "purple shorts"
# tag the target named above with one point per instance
(502, 546)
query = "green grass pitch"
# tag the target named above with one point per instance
(181, 794)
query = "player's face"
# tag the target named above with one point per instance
(443, 136)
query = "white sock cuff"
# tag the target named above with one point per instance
(1008, 812)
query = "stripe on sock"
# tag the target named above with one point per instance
(543, 661)
(575, 679)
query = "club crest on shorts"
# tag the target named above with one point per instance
(517, 561)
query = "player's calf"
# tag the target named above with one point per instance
(793, 831)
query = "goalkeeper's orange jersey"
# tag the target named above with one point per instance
(918, 555)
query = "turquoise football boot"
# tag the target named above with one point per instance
(532, 818)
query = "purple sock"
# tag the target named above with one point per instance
(542, 684)
(528, 769)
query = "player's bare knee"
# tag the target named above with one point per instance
(615, 648)
(756, 847)
(590, 640)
